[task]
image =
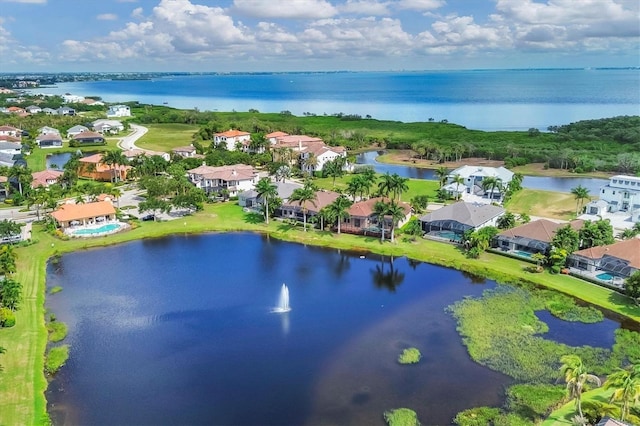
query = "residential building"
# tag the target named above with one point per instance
(457, 218)
(92, 167)
(45, 178)
(234, 178)
(10, 131)
(108, 126)
(33, 109)
(46, 130)
(49, 140)
(231, 139)
(250, 198)
(72, 99)
(89, 138)
(533, 237)
(473, 177)
(68, 215)
(610, 264)
(76, 130)
(65, 111)
(49, 111)
(186, 152)
(272, 137)
(295, 209)
(308, 152)
(11, 148)
(119, 111)
(362, 218)
(621, 194)
(131, 154)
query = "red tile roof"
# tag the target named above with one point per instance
(628, 250)
(233, 133)
(42, 178)
(365, 208)
(69, 212)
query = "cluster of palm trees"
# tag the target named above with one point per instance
(625, 384)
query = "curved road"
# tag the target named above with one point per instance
(129, 141)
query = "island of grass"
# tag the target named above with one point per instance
(401, 417)
(410, 356)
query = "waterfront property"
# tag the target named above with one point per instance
(75, 216)
(621, 194)
(250, 198)
(88, 138)
(234, 179)
(460, 217)
(363, 219)
(296, 210)
(119, 111)
(307, 152)
(45, 178)
(530, 238)
(93, 167)
(49, 140)
(610, 264)
(473, 176)
(75, 130)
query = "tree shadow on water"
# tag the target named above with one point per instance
(386, 276)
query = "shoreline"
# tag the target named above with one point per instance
(28, 371)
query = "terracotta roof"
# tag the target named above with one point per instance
(322, 200)
(540, 230)
(95, 158)
(276, 134)
(233, 133)
(9, 138)
(8, 129)
(227, 173)
(628, 250)
(41, 178)
(100, 166)
(68, 212)
(295, 139)
(365, 208)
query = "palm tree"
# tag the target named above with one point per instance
(386, 185)
(397, 213)
(114, 159)
(368, 180)
(22, 175)
(399, 185)
(576, 376)
(116, 193)
(442, 174)
(381, 209)
(310, 163)
(458, 180)
(580, 193)
(338, 209)
(266, 190)
(490, 184)
(304, 195)
(626, 387)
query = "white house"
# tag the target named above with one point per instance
(13, 148)
(107, 126)
(235, 178)
(33, 109)
(72, 99)
(76, 130)
(621, 194)
(46, 130)
(231, 138)
(322, 155)
(474, 175)
(119, 111)
(10, 131)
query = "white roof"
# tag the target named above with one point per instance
(468, 171)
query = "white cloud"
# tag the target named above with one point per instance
(365, 7)
(420, 5)
(107, 17)
(286, 9)
(25, 1)
(137, 13)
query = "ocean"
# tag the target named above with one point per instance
(477, 99)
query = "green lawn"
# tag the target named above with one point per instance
(23, 382)
(164, 137)
(37, 160)
(416, 186)
(536, 202)
(562, 416)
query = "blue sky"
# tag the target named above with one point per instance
(315, 35)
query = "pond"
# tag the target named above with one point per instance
(57, 160)
(180, 330)
(531, 182)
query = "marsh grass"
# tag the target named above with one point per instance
(410, 356)
(57, 331)
(55, 289)
(56, 358)
(401, 417)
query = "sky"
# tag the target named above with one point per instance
(315, 35)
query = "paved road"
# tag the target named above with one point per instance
(129, 141)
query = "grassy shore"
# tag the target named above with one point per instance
(23, 382)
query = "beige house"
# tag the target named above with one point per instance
(68, 215)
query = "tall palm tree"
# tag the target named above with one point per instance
(490, 184)
(458, 180)
(626, 387)
(396, 213)
(266, 190)
(114, 159)
(22, 175)
(442, 173)
(399, 185)
(116, 193)
(381, 209)
(338, 209)
(576, 377)
(304, 195)
(386, 185)
(580, 193)
(310, 163)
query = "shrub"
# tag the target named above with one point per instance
(7, 318)
(401, 417)
(410, 356)
(479, 416)
(56, 358)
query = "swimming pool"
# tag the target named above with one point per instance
(523, 253)
(604, 277)
(104, 229)
(448, 235)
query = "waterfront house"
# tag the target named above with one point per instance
(533, 237)
(92, 167)
(294, 209)
(119, 111)
(49, 140)
(457, 218)
(250, 198)
(308, 152)
(621, 194)
(68, 215)
(88, 138)
(45, 178)
(234, 178)
(75, 130)
(610, 264)
(474, 175)
(231, 139)
(362, 218)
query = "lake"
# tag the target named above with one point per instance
(179, 330)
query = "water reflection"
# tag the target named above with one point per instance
(385, 275)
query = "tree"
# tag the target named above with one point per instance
(7, 260)
(380, 210)
(580, 193)
(396, 213)
(310, 163)
(10, 293)
(154, 204)
(626, 388)
(419, 203)
(303, 195)
(442, 173)
(338, 209)
(9, 228)
(114, 159)
(490, 184)
(598, 233)
(267, 191)
(334, 168)
(632, 287)
(566, 238)
(22, 175)
(576, 377)
(506, 221)
(458, 180)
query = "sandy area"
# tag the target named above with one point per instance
(405, 158)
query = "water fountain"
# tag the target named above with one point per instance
(283, 301)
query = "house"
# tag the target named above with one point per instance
(10, 160)
(10, 131)
(46, 130)
(49, 140)
(131, 154)
(298, 149)
(294, 209)
(472, 179)
(92, 167)
(119, 111)
(234, 178)
(362, 218)
(16, 110)
(68, 215)
(4, 190)
(92, 102)
(72, 99)
(49, 111)
(621, 194)
(11, 148)
(610, 264)
(250, 198)
(65, 111)
(231, 138)
(88, 138)
(185, 151)
(108, 126)
(452, 221)
(314, 156)
(533, 237)
(33, 109)
(76, 130)
(45, 178)
(272, 137)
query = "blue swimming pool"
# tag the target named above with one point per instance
(448, 235)
(604, 277)
(109, 227)
(523, 253)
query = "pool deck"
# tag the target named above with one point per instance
(616, 283)
(70, 231)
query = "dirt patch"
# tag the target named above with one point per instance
(406, 158)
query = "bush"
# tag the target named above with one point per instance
(7, 318)
(410, 356)
(401, 417)
(56, 358)
(479, 416)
